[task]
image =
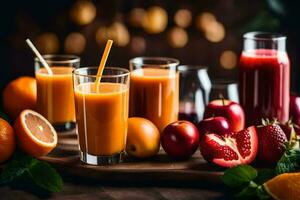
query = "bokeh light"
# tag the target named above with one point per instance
(177, 37)
(136, 17)
(183, 18)
(47, 43)
(117, 32)
(137, 45)
(102, 35)
(83, 12)
(204, 20)
(228, 59)
(155, 20)
(215, 32)
(74, 43)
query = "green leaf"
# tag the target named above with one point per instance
(289, 162)
(264, 175)
(239, 175)
(249, 191)
(46, 177)
(25, 166)
(11, 172)
(16, 168)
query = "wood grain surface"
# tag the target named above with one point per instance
(159, 168)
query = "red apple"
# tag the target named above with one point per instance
(180, 139)
(218, 125)
(232, 111)
(295, 109)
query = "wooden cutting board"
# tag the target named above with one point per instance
(159, 168)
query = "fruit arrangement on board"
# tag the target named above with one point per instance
(221, 137)
(272, 148)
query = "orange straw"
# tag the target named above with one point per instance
(103, 62)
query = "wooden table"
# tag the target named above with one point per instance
(84, 189)
(76, 187)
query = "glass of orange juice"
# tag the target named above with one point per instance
(154, 90)
(55, 98)
(101, 114)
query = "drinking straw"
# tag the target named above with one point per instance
(103, 61)
(39, 56)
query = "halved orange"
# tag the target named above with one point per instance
(284, 186)
(36, 136)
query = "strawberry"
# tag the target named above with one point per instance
(287, 128)
(272, 141)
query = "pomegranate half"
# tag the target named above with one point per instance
(230, 150)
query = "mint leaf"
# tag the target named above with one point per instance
(11, 172)
(46, 177)
(249, 191)
(289, 162)
(239, 175)
(16, 168)
(25, 166)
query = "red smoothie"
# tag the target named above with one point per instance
(264, 85)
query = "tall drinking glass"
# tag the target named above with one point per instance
(264, 77)
(154, 89)
(55, 99)
(101, 114)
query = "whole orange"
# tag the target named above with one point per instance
(7, 141)
(18, 95)
(143, 138)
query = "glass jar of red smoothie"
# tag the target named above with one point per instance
(264, 77)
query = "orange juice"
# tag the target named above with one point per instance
(101, 117)
(154, 94)
(55, 98)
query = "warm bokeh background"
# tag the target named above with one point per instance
(207, 32)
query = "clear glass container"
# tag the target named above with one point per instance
(154, 89)
(264, 77)
(195, 86)
(224, 89)
(55, 99)
(101, 114)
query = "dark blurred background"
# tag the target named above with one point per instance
(206, 32)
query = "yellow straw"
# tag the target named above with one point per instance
(103, 62)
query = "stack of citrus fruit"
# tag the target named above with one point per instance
(31, 131)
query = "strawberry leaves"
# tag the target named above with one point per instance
(289, 162)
